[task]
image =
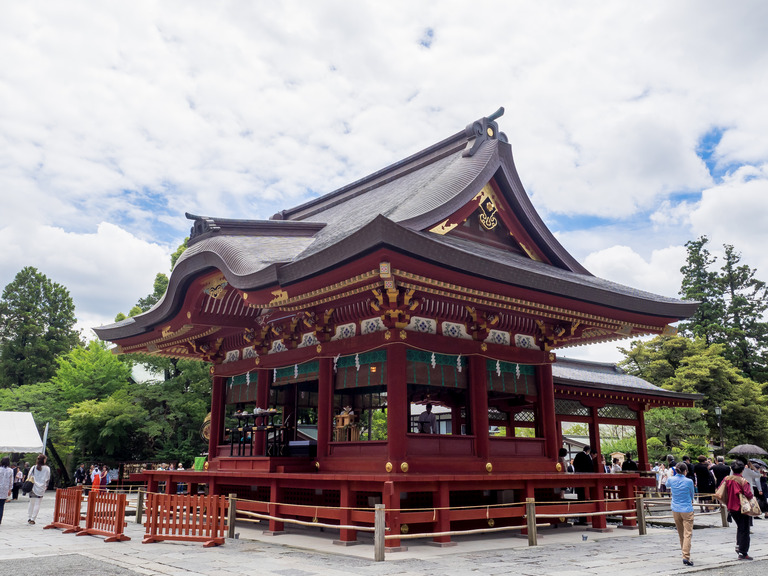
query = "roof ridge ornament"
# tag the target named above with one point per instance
(202, 225)
(482, 130)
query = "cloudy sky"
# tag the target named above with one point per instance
(635, 126)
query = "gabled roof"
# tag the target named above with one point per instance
(403, 207)
(604, 376)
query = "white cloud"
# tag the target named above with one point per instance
(106, 272)
(131, 115)
(659, 275)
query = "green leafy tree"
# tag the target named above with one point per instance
(90, 373)
(158, 290)
(176, 407)
(113, 427)
(690, 366)
(37, 319)
(179, 251)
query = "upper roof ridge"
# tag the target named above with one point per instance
(471, 138)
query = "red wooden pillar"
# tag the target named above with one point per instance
(599, 522)
(443, 520)
(397, 405)
(390, 497)
(324, 408)
(262, 401)
(478, 398)
(346, 536)
(594, 437)
(275, 496)
(546, 389)
(642, 445)
(218, 391)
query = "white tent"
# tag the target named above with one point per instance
(18, 433)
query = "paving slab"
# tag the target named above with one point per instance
(308, 551)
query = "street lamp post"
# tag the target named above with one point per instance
(719, 413)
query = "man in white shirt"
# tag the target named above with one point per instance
(427, 421)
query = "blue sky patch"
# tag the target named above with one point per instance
(427, 38)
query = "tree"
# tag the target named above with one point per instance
(702, 285)
(176, 407)
(732, 309)
(90, 373)
(158, 290)
(37, 319)
(746, 301)
(179, 251)
(112, 427)
(690, 366)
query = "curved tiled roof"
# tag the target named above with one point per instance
(392, 208)
(583, 373)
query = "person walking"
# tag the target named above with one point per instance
(40, 475)
(682, 491)
(6, 483)
(18, 480)
(735, 485)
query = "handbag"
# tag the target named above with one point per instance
(722, 492)
(749, 506)
(26, 488)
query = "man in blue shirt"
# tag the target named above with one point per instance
(682, 508)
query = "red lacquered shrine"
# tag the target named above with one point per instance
(330, 326)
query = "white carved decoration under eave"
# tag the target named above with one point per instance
(345, 331)
(455, 330)
(309, 339)
(232, 356)
(424, 325)
(371, 325)
(499, 337)
(278, 346)
(250, 352)
(526, 341)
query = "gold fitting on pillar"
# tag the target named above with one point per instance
(388, 467)
(317, 465)
(404, 466)
(559, 467)
(488, 467)
(491, 522)
(404, 529)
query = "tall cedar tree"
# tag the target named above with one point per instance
(37, 319)
(702, 285)
(733, 303)
(746, 300)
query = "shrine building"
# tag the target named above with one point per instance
(331, 326)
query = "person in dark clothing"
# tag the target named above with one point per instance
(582, 463)
(704, 479)
(687, 460)
(80, 475)
(629, 465)
(720, 471)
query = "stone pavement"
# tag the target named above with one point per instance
(306, 552)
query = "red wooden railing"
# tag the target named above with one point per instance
(106, 516)
(66, 512)
(186, 518)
